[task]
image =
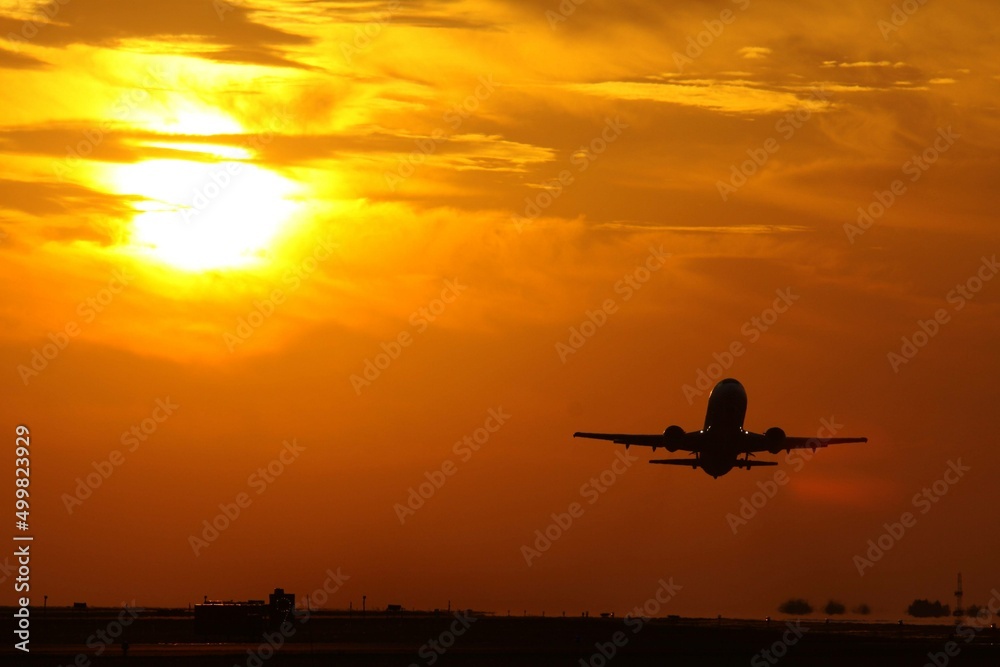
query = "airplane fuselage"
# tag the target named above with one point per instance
(727, 408)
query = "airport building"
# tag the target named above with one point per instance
(243, 619)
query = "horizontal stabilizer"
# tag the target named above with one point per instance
(686, 442)
(751, 464)
(694, 463)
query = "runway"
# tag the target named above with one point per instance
(426, 640)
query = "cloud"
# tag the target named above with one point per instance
(113, 23)
(56, 140)
(863, 63)
(734, 97)
(493, 153)
(64, 212)
(639, 225)
(16, 60)
(755, 52)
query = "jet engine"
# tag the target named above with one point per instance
(775, 439)
(672, 437)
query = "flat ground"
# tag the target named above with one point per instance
(163, 637)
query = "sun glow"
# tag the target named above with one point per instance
(196, 215)
(185, 119)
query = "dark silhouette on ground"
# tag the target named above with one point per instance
(795, 607)
(862, 609)
(723, 444)
(928, 609)
(834, 608)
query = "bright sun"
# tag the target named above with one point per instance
(203, 215)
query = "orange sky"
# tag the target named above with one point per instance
(234, 208)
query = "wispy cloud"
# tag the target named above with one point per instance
(755, 52)
(725, 96)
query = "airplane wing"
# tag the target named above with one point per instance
(687, 442)
(813, 443)
(760, 442)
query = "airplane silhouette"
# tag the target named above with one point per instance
(717, 448)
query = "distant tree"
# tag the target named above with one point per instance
(973, 610)
(795, 607)
(834, 608)
(928, 609)
(862, 609)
